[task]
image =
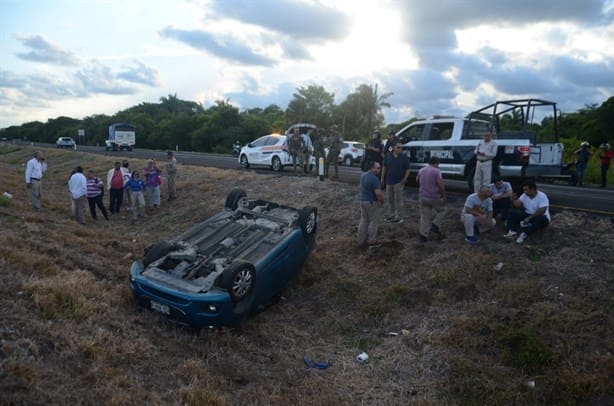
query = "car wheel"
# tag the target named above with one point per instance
(308, 221)
(157, 251)
(276, 164)
(233, 199)
(243, 161)
(347, 161)
(239, 280)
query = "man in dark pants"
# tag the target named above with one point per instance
(371, 203)
(535, 214)
(115, 184)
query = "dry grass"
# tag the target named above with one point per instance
(440, 324)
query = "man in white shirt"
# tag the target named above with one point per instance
(536, 214)
(477, 214)
(77, 184)
(34, 173)
(485, 152)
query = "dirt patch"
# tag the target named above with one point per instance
(441, 322)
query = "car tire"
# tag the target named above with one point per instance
(233, 198)
(157, 251)
(276, 164)
(308, 221)
(243, 161)
(239, 280)
(347, 161)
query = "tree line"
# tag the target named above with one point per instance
(187, 125)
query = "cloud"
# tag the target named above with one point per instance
(10, 80)
(429, 28)
(226, 48)
(44, 51)
(99, 78)
(298, 20)
(139, 73)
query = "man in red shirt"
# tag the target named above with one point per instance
(115, 184)
(605, 157)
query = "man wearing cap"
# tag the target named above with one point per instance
(584, 154)
(485, 152)
(34, 173)
(605, 158)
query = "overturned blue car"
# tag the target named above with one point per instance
(219, 270)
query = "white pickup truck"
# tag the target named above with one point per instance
(524, 149)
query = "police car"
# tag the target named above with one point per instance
(269, 150)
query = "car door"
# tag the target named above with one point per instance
(255, 153)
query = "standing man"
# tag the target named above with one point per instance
(319, 145)
(501, 193)
(390, 142)
(605, 159)
(294, 149)
(432, 197)
(306, 152)
(536, 213)
(584, 153)
(477, 214)
(34, 173)
(171, 171)
(115, 184)
(394, 175)
(336, 142)
(373, 151)
(485, 152)
(95, 188)
(77, 184)
(371, 203)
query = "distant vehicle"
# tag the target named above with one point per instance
(121, 137)
(523, 152)
(65, 142)
(217, 271)
(351, 152)
(269, 150)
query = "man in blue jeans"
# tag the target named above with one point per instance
(371, 203)
(394, 175)
(535, 214)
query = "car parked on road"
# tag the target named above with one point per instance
(351, 152)
(65, 142)
(217, 271)
(269, 150)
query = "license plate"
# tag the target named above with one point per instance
(160, 308)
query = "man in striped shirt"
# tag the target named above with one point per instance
(95, 189)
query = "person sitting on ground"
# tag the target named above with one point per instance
(501, 193)
(477, 214)
(535, 214)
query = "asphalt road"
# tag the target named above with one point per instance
(589, 199)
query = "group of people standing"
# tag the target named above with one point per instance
(584, 154)
(522, 215)
(123, 185)
(301, 147)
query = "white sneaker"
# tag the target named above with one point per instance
(521, 238)
(511, 234)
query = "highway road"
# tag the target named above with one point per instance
(589, 199)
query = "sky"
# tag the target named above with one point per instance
(79, 58)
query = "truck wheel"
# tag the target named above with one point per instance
(233, 198)
(239, 280)
(308, 221)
